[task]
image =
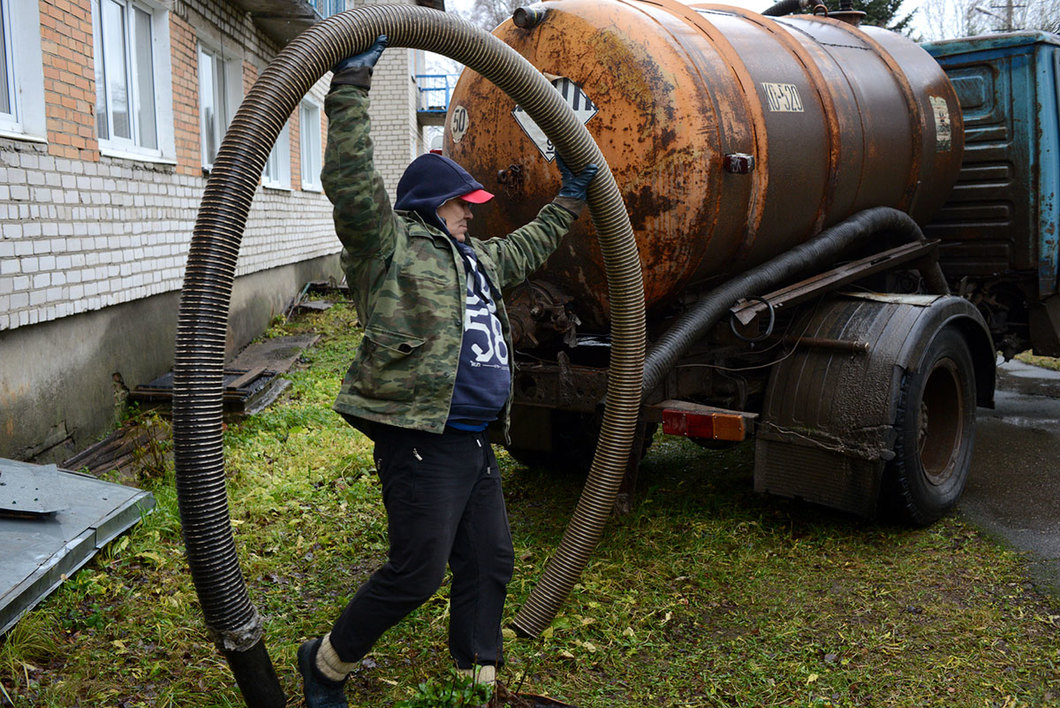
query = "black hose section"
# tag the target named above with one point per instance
(256, 676)
(823, 248)
(198, 385)
(784, 7)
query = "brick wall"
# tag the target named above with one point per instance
(81, 231)
(296, 149)
(94, 238)
(69, 78)
(183, 49)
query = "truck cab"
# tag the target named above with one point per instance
(999, 227)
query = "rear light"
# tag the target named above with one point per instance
(708, 425)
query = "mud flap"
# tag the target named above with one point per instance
(827, 426)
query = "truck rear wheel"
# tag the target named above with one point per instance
(935, 426)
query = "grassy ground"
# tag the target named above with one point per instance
(706, 595)
(1046, 362)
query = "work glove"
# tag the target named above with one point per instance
(572, 193)
(357, 70)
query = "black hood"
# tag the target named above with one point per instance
(430, 181)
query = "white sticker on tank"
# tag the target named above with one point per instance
(783, 98)
(458, 121)
(943, 127)
(572, 93)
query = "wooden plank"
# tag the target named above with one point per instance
(246, 378)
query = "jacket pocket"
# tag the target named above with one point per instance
(388, 366)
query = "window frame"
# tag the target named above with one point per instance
(310, 139)
(25, 72)
(10, 118)
(280, 155)
(225, 97)
(161, 78)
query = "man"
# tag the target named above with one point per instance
(432, 371)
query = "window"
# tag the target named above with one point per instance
(278, 168)
(7, 88)
(219, 93)
(133, 100)
(327, 8)
(21, 71)
(309, 128)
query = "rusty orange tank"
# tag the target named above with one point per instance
(732, 135)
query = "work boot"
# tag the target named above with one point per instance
(320, 692)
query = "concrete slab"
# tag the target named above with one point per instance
(275, 354)
(278, 355)
(38, 552)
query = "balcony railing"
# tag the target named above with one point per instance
(435, 91)
(327, 8)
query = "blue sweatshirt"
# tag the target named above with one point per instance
(483, 376)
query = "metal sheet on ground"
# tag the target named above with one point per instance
(39, 553)
(27, 493)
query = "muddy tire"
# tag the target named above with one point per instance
(935, 427)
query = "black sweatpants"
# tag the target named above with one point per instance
(445, 505)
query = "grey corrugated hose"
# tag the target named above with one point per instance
(231, 618)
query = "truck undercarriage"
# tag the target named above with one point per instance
(859, 384)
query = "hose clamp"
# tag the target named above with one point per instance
(239, 639)
(769, 326)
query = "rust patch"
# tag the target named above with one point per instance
(644, 204)
(512, 179)
(666, 138)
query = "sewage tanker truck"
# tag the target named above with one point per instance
(838, 231)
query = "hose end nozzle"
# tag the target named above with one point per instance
(528, 17)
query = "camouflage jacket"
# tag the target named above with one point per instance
(407, 280)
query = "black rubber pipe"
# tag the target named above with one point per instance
(824, 248)
(198, 385)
